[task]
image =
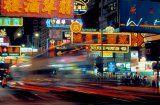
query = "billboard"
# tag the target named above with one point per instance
(140, 16)
(37, 8)
(10, 51)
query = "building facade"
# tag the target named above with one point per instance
(109, 13)
(91, 17)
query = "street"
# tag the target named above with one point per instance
(79, 52)
(76, 94)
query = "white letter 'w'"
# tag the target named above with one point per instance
(129, 22)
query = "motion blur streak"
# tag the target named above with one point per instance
(58, 70)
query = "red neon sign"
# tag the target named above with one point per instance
(121, 39)
(37, 8)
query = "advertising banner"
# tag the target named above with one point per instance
(10, 51)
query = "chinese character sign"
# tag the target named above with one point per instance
(61, 23)
(122, 39)
(37, 8)
(4, 21)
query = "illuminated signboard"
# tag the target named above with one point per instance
(140, 16)
(1, 40)
(27, 50)
(80, 7)
(3, 33)
(75, 27)
(116, 49)
(98, 53)
(111, 66)
(10, 51)
(4, 21)
(61, 23)
(4, 44)
(137, 39)
(87, 38)
(38, 8)
(85, 1)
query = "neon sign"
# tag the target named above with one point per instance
(132, 23)
(129, 22)
(123, 49)
(61, 23)
(10, 50)
(3, 33)
(80, 7)
(37, 8)
(85, 1)
(4, 21)
(140, 16)
(88, 38)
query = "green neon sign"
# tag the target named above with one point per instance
(5, 21)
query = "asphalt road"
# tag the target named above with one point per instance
(30, 97)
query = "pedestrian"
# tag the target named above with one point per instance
(123, 80)
(144, 81)
(153, 83)
(137, 80)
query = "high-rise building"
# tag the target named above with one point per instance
(44, 36)
(101, 13)
(109, 13)
(91, 17)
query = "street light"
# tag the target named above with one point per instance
(35, 36)
(19, 34)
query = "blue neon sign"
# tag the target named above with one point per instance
(60, 23)
(140, 16)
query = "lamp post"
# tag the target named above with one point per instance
(35, 36)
